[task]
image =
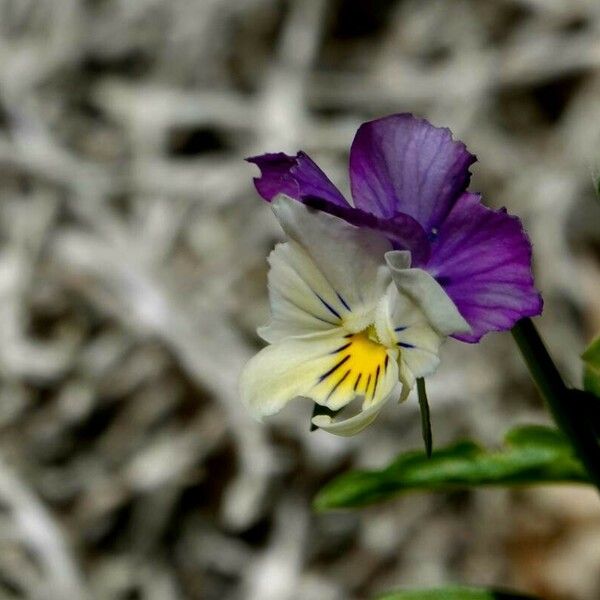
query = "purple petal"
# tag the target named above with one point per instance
(402, 231)
(482, 258)
(404, 164)
(295, 176)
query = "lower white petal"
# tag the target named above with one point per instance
(355, 424)
(285, 370)
(331, 368)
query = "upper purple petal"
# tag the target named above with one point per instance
(296, 176)
(403, 232)
(404, 164)
(482, 258)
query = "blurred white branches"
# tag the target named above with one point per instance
(133, 274)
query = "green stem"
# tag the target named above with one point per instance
(425, 416)
(560, 399)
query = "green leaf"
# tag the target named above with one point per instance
(425, 416)
(591, 369)
(532, 455)
(454, 593)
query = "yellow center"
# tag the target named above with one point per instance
(360, 365)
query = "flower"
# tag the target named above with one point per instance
(408, 181)
(340, 329)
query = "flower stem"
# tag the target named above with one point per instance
(425, 416)
(563, 405)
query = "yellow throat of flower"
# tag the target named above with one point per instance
(359, 367)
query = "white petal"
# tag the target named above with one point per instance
(400, 322)
(420, 362)
(281, 372)
(302, 301)
(348, 257)
(355, 424)
(407, 379)
(399, 259)
(331, 368)
(428, 294)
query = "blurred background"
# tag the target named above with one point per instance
(133, 275)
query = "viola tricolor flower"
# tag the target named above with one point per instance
(363, 294)
(341, 330)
